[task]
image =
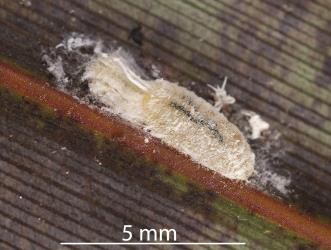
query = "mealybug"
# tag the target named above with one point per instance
(171, 113)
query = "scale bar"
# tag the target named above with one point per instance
(151, 243)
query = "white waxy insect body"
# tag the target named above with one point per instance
(171, 113)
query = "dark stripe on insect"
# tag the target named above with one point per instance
(209, 124)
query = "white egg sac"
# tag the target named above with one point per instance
(171, 113)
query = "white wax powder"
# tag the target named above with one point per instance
(55, 67)
(257, 124)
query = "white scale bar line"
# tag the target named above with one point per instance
(150, 243)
